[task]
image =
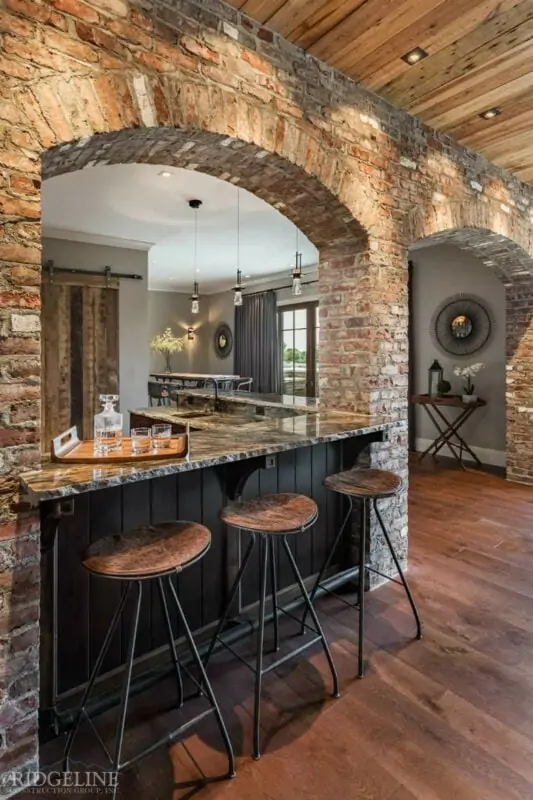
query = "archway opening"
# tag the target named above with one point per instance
(340, 240)
(485, 279)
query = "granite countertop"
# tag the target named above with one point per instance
(295, 402)
(211, 421)
(218, 445)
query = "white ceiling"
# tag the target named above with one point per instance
(133, 205)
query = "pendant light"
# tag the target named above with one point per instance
(195, 297)
(297, 271)
(237, 289)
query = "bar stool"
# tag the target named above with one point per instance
(271, 519)
(149, 553)
(369, 486)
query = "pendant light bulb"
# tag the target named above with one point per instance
(195, 297)
(237, 290)
(195, 303)
(297, 275)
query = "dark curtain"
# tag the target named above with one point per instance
(256, 342)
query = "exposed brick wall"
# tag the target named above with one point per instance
(200, 85)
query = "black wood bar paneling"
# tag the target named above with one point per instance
(86, 603)
(164, 507)
(105, 518)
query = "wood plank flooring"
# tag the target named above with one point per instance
(448, 717)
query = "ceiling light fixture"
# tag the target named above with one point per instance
(165, 174)
(195, 297)
(297, 271)
(237, 289)
(414, 56)
(490, 113)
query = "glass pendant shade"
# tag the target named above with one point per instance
(195, 304)
(195, 297)
(237, 290)
(297, 276)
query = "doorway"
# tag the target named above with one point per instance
(298, 336)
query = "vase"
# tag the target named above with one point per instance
(168, 365)
(469, 398)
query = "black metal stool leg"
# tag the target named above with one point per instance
(94, 674)
(229, 602)
(327, 562)
(361, 598)
(274, 589)
(260, 640)
(171, 641)
(205, 682)
(126, 685)
(400, 572)
(314, 617)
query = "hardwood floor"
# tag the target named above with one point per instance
(450, 716)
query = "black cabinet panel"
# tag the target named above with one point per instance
(86, 604)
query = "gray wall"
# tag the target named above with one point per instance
(173, 310)
(221, 309)
(441, 272)
(134, 354)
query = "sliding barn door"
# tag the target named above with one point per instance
(79, 351)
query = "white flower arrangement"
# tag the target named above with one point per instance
(467, 373)
(167, 343)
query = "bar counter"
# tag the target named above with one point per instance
(240, 455)
(214, 444)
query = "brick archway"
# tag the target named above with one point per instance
(503, 245)
(277, 180)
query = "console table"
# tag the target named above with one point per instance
(448, 429)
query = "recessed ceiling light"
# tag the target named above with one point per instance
(414, 56)
(165, 174)
(491, 113)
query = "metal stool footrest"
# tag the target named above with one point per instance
(268, 551)
(203, 685)
(364, 568)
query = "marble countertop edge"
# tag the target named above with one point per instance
(56, 481)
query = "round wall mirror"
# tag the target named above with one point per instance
(461, 325)
(223, 340)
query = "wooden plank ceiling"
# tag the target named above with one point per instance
(480, 56)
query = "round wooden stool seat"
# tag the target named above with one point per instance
(273, 513)
(148, 551)
(365, 483)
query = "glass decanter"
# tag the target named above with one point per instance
(108, 426)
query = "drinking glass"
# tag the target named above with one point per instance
(141, 440)
(161, 434)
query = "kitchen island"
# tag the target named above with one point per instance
(241, 452)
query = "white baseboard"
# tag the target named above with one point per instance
(494, 458)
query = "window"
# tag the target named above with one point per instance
(299, 341)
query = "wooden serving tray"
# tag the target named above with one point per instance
(68, 448)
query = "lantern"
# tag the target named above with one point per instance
(435, 374)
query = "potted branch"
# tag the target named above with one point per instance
(166, 343)
(467, 373)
